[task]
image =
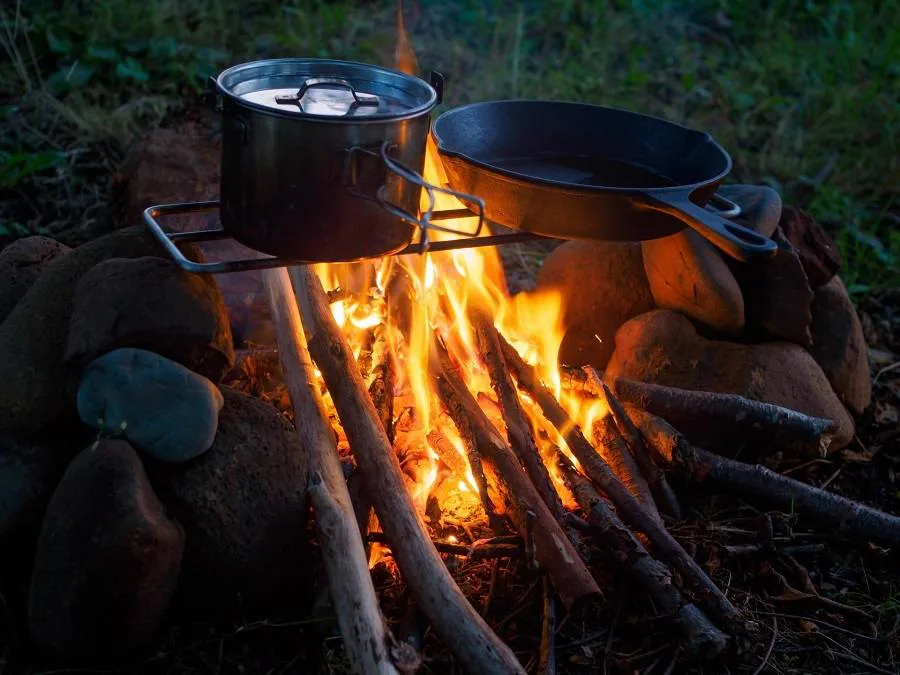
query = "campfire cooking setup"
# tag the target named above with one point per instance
(475, 423)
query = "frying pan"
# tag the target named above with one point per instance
(579, 171)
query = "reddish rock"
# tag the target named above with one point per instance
(601, 284)
(777, 296)
(839, 346)
(37, 388)
(107, 561)
(182, 164)
(688, 274)
(663, 347)
(818, 253)
(151, 304)
(21, 263)
(760, 206)
(243, 505)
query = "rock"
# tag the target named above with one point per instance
(181, 164)
(818, 253)
(150, 303)
(163, 408)
(663, 347)
(37, 389)
(107, 561)
(602, 284)
(777, 296)
(29, 473)
(839, 346)
(760, 206)
(243, 505)
(687, 273)
(21, 263)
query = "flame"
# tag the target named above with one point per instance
(404, 54)
(448, 286)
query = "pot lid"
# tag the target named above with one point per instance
(326, 89)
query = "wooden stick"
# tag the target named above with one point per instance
(629, 508)
(701, 638)
(484, 549)
(614, 451)
(366, 638)
(724, 420)
(531, 516)
(666, 442)
(756, 482)
(662, 492)
(547, 655)
(517, 427)
(382, 379)
(463, 630)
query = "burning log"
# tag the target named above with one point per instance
(614, 451)
(662, 492)
(629, 508)
(701, 638)
(366, 638)
(381, 380)
(463, 630)
(483, 549)
(533, 519)
(703, 415)
(517, 428)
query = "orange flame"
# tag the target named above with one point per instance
(404, 54)
(447, 286)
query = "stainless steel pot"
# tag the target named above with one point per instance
(321, 159)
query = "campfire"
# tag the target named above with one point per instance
(437, 416)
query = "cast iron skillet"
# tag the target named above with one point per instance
(578, 171)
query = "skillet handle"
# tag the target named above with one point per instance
(738, 241)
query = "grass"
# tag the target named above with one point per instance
(804, 94)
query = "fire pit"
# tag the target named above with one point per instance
(454, 403)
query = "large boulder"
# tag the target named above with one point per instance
(601, 285)
(663, 347)
(107, 561)
(37, 388)
(243, 505)
(839, 345)
(21, 263)
(163, 408)
(150, 303)
(688, 274)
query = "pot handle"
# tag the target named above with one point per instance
(475, 204)
(738, 241)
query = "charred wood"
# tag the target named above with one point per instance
(701, 638)
(662, 492)
(531, 516)
(629, 508)
(707, 417)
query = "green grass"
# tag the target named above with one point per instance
(805, 95)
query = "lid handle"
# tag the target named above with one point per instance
(359, 98)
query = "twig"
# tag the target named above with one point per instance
(547, 659)
(656, 477)
(771, 647)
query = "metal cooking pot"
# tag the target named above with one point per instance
(321, 159)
